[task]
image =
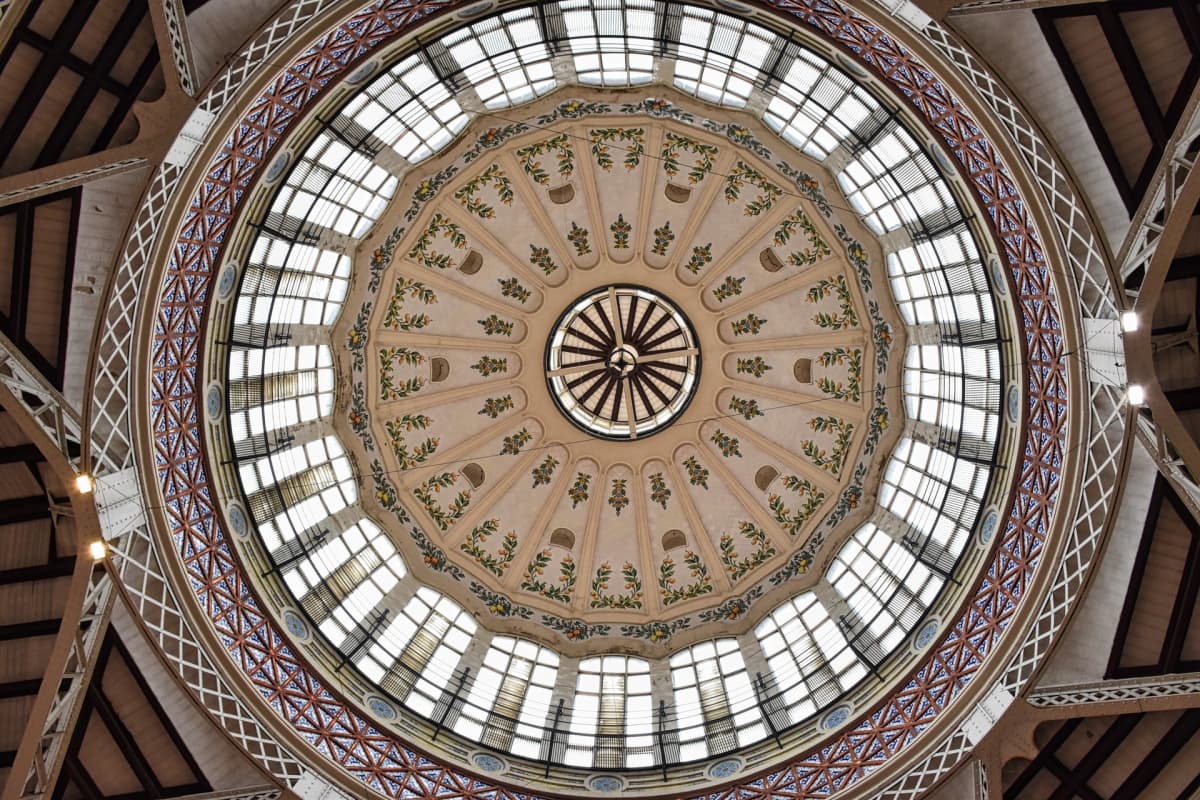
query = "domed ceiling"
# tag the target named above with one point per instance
(573, 428)
(607, 263)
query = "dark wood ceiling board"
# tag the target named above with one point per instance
(1171, 764)
(121, 126)
(43, 259)
(1136, 578)
(51, 570)
(52, 269)
(35, 120)
(92, 64)
(75, 118)
(1157, 592)
(1155, 623)
(24, 659)
(73, 781)
(22, 602)
(100, 753)
(8, 255)
(1190, 791)
(1177, 367)
(1129, 62)
(37, 90)
(1085, 748)
(1048, 737)
(14, 711)
(24, 509)
(1190, 650)
(1135, 747)
(24, 453)
(1086, 751)
(105, 25)
(18, 61)
(17, 480)
(69, 60)
(22, 688)
(1184, 268)
(1172, 659)
(1108, 153)
(1070, 784)
(1121, 60)
(1158, 41)
(141, 45)
(147, 722)
(113, 753)
(10, 431)
(29, 629)
(1106, 88)
(1128, 757)
(77, 784)
(30, 544)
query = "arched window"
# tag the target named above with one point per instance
(716, 709)
(612, 714)
(811, 662)
(509, 702)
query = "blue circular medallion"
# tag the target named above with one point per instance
(277, 168)
(999, 282)
(295, 625)
(237, 520)
(725, 768)
(213, 402)
(605, 783)
(835, 717)
(381, 708)
(942, 161)
(227, 281)
(363, 72)
(1013, 406)
(487, 762)
(987, 529)
(926, 634)
(475, 10)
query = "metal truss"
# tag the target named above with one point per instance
(1133, 689)
(1150, 247)
(45, 405)
(67, 181)
(47, 734)
(85, 616)
(175, 21)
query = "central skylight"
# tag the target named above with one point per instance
(622, 362)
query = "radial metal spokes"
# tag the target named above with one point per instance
(622, 360)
